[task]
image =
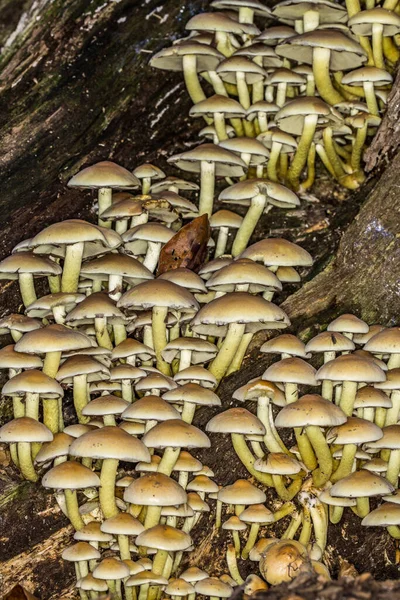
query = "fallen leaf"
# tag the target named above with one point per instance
(19, 593)
(188, 248)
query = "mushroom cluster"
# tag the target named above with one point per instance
(312, 84)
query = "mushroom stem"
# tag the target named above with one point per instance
(159, 330)
(152, 255)
(348, 396)
(71, 503)
(27, 288)
(370, 97)
(119, 331)
(104, 197)
(102, 335)
(192, 82)
(309, 182)
(318, 516)
(251, 540)
(188, 412)
(305, 449)
(220, 127)
(392, 414)
(335, 514)
(393, 468)
(72, 267)
(25, 461)
(168, 461)
(377, 46)
(232, 564)
(249, 224)
(292, 528)
(80, 397)
(300, 158)
(394, 531)
(280, 488)
(346, 462)
(227, 351)
(107, 488)
(240, 354)
(321, 70)
(358, 148)
(306, 529)
(32, 405)
(362, 507)
(323, 454)
(221, 241)
(123, 544)
(153, 516)
(207, 187)
(310, 20)
(236, 542)
(246, 457)
(331, 153)
(272, 171)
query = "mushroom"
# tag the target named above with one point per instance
(80, 553)
(147, 173)
(147, 239)
(123, 526)
(369, 78)
(362, 485)
(376, 22)
(283, 561)
(307, 16)
(104, 176)
(281, 144)
(246, 9)
(219, 108)
(223, 220)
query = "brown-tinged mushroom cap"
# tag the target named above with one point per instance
(19, 323)
(390, 439)
(122, 524)
(193, 574)
(59, 446)
(229, 67)
(392, 380)
(158, 292)
(257, 387)
(110, 442)
(385, 342)
(241, 492)
(328, 341)
(150, 408)
(80, 551)
(285, 344)
(82, 365)
(369, 396)
(213, 587)
(275, 193)
(42, 307)
(234, 524)
(105, 405)
(290, 117)
(155, 381)
(24, 429)
(73, 231)
(278, 252)
(105, 174)
(286, 141)
(70, 475)
(171, 58)
(185, 278)
(363, 22)
(236, 420)
(218, 21)
(53, 338)
(256, 6)
(91, 532)
(196, 374)
(131, 347)
(293, 10)
(116, 264)
(346, 53)
(214, 265)
(187, 462)
(176, 433)
(164, 537)
(310, 409)
(278, 463)
(27, 262)
(202, 483)
(244, 272)
(227, 164)
(291, 370)
(146, 577)
(111, 569)
(350, 367)
(35, 382)
(361, 484)
(193, 393)
(96, 305)
(363, 338)
(179, 587)
(373, 75)
(348, 323)
(325, 496)
(354, 431)
(218, 104)
(202, 350)
(227, 309)
(91, 584)
(257, 513)
(268, 56)
(385, 515)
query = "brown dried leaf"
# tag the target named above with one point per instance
(188, 248)
(19, 593)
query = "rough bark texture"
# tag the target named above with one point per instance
(75, 88)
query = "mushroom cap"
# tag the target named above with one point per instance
(293, 10)
(24, 429)
(32, 382)
(179, 587)
(272, 35)
(355, 431)
(116, 264)
(80, 551)
(150, 408)
(70, 475)
(147, 232)
(155, 381)
(228, 309)
(76, 231)
(291, 370)
(275, 135)
(19, 323)
(144, 577)
(131, 347)
(27, 262)
(386, 341)
(172, 58)
(278, 252)
(362, 23)
(329, 341)
(225, 218)
(214, 587)
(110, 442)
(227, 164)
(256, 388)
(188, 463)
(283, 75)
(350, 367)
(244, 271)
(196, 373)
(218, 21)
(229, 67)
(291, 116)
(158, 292)
(218, 104)
(325, 496)
(126, 373)
(362, 338)
(193, 574)
(278, 463)
(59, 446)
(236, 420)
(193, 393)
(164, 537)
(91, 532)
(285, 344)
(201, 350)
(392, 380)
(310, 409)
(348, 323)
(177, 434)
(256, 6)
(111, 568)
(104, 174)
(234, 524)
(90, 583)
(248, 146)
(275, 194)
(282, 561)
(185, 278)
(363, 75)
(390, 439)
(147, 170)
(80, 364)
(267, 54)
(105, 405)
(361, 484)
(385, 515)
(369, 396)
(202, 483)
(122, 524)
(346, 53)
(257, 513)
(53, 338)
(241, 492)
